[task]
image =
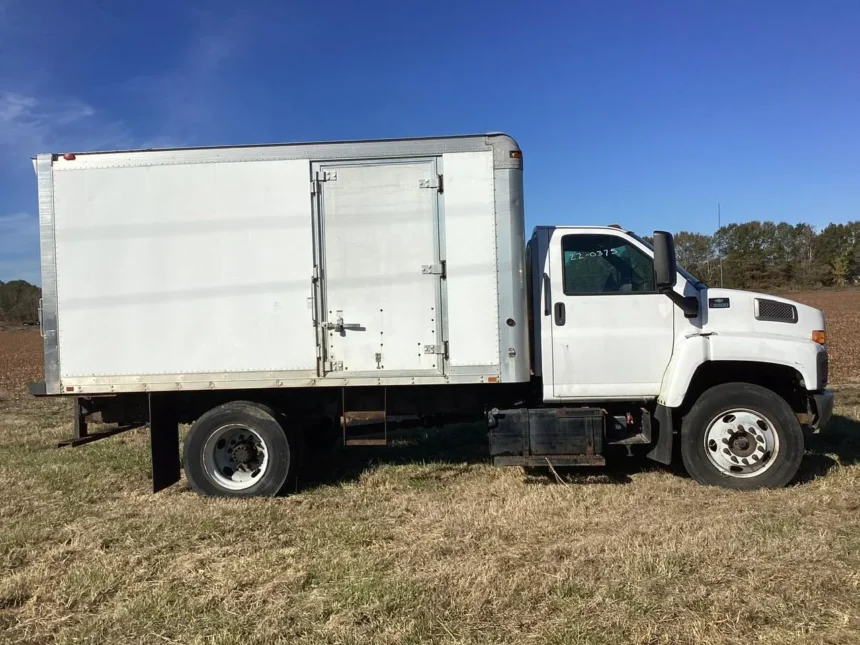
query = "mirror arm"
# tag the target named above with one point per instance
(688, 304)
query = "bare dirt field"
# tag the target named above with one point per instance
(20, 361)
(424, 542)
(842, 317)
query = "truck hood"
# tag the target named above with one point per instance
(732, 310)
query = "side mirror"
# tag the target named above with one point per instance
(666, 273)
(665, 262)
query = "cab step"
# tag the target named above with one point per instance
(640, 438)
(634, 440)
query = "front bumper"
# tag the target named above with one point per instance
(820, 409)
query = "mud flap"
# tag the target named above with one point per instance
(163, 442)
(662, 450)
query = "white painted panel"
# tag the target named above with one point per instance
(470, 250)
(379, 232)
(185, 268)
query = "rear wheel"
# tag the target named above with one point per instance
(741, 436)
(239, 449)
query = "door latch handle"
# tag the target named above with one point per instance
(340, 326)
(559, 313)
(41, 319)
(335, 326)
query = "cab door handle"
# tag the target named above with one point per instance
(559, 313)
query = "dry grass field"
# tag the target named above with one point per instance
(424, 542)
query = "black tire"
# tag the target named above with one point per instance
(279, 442)
(722, 398)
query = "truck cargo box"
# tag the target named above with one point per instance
(359, 263)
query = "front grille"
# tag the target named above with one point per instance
(823, 367)
(775, 311)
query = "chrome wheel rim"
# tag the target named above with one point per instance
(741, 443)
(235, 456)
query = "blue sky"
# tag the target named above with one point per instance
(641, 113)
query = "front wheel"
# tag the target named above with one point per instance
(741, 436)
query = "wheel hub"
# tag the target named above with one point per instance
(741, 443)
(244, 454)
(236, 456)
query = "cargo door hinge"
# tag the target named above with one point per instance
(437, 183)
(441, 350)
(321, 176)
(434, 269)
(333, 366)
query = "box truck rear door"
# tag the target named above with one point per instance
(380, 293)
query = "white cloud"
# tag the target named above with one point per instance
(28, 119)
(30, 125)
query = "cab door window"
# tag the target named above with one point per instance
(605, 264)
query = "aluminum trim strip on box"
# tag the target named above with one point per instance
(48, 250)
(511, 276)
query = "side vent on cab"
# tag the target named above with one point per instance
(775, 311)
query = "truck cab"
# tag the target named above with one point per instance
(617, 325)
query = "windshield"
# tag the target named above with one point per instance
(687, 275)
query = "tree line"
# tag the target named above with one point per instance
(752, 255)
(19, 302)
(773, 256)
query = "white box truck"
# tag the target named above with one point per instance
(278, 296)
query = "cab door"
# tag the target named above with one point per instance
(612, 332)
